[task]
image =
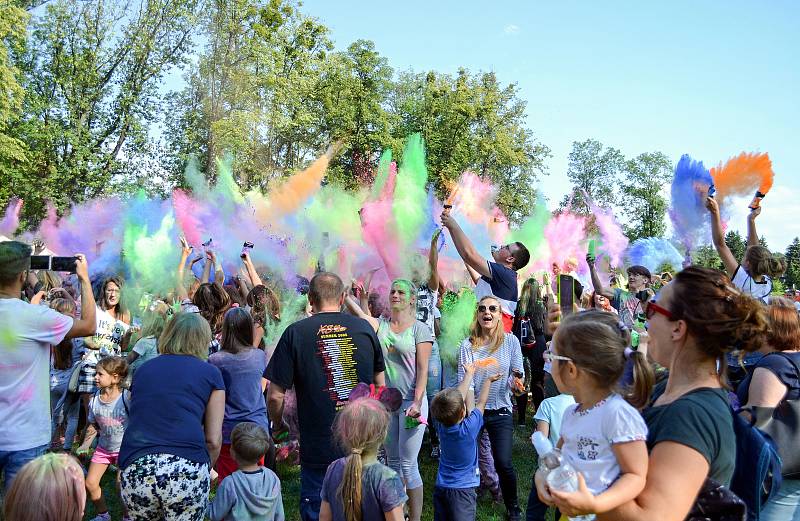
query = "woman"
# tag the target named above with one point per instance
(242, 367)
(490, 349)
(212, 301)
(758, 267)
(775, 379)
(529, 329)
(174, 431)
(697, 319)
(407, 345)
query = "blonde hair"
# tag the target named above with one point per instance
(186, 334)
(155, 319)
(361, 426)
(49, 280)
(497, 335)
(49, 488)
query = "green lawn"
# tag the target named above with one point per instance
(524, 462)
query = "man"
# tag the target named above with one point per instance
(498, 278)
(630, 304)
(26, 333)
(323, 357)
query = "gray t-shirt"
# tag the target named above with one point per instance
(147, 349)
(111, 419)
(400, 355)
(382, 490)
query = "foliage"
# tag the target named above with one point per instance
(593, 170)
(707, 256)
(642, 201)
(736, 243)
(792, 275)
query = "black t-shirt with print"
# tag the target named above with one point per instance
(323, 357)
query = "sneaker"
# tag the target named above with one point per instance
(105, 516)
(514, 514)
(435, 452)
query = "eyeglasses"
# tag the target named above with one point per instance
(653, 308)
(492, 309)
(549, 356)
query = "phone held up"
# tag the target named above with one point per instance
(46, 262)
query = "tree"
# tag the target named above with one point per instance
(91, 72)
(793, 263)
(642, 201)
(707, 257)
(736, 244)
(593, 170)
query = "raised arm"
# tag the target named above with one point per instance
(186, 250)
(206, 269)
(718, 236)
(464, 246)
(597, 284)
(466, 382)
(356, 310)
(752, 234)
(433, 262)
(252, 274)
(474, 275)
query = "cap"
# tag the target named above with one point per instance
(15, 257)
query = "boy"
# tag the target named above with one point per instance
(454, 497)
(253, 492)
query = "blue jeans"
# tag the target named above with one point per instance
(785, 506)
(310, 488)
(13, 460)
(66, 408)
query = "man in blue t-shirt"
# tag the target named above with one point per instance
(454, 496)
(497, 277)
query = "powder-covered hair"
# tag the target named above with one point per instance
(49, 488)
(497, 335)
(361, 426)
(596, 342)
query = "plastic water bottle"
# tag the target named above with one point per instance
(559, 474)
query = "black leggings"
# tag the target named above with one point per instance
(534, 355)
(499, 424)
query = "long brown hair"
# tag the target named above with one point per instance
(120, 309)
(361, 426)
(596, 342)
(213, 302)
(62, 353)
(497, 335)
(237, 331)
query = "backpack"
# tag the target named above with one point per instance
(757, 474)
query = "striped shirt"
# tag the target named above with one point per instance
(509, 358)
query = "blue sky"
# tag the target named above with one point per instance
(711, 79)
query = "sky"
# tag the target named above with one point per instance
(711, 79)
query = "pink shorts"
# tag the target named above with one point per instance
(104, 457)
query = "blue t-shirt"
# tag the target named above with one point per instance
(382, 490)
(169, 395)
(458, 457)
(502, 285)
(244, 398)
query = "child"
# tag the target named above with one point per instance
(108, 412)
(65, 406)
(602, 436)
(454, 496)
(358, 487)
(49, 488)
(253, 492)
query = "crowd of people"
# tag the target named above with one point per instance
(185, 393)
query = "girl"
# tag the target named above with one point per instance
(65, 406)
(358, 487)
(602, 436)
(108, 411)
(758, 267)
(212, 301)
(242, 367)
(491, 350)
(49, 488)
(406, 344)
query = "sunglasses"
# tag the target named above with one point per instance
(549, 356)
(492, 309)
(653, 308)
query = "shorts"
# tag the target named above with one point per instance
(104, 457)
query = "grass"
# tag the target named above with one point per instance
(524, 459)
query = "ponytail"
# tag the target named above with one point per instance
(350, 489)
(643, 379)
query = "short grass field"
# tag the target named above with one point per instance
(524, 462)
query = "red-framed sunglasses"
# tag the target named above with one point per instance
(653, 308)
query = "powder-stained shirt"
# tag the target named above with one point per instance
(111, 419)
(400, 355)
(507, 358)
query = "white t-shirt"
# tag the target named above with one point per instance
(26, 334)
(426, 306)
(108, 337)
(758, 290)
(588, 436)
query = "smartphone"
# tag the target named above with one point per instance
(40, 262)
(67, 264)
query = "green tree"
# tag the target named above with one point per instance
(736, 243)
(593, 170)
(643, 202)
(793, 263)
(91, 73)
(707, 256)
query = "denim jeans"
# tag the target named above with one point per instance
(13, 460)
(499, 424)
(310, 488)
(66, 407)
(785, 506)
